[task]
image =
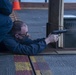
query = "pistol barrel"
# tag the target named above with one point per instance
(59, 31)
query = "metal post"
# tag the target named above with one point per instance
(55, 15)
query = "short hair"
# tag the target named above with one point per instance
(17, 26)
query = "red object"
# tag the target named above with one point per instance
(16, 5)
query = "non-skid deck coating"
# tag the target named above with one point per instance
(7, 66)
(41, 65)
(54, 64)
(15, 65)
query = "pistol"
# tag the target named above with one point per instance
(58, 31)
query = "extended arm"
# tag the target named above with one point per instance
(30, 49)
(28, 41)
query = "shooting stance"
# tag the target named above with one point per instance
(18, 40)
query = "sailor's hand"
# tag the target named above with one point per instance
(51, 38)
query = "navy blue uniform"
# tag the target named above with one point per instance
(5, 7)
(26, 46)
(5, 20)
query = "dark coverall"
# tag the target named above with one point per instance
(25, 46)
(5, 20)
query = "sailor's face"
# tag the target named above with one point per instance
(23, 33)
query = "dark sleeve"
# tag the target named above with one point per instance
(28, 41)
(38, 40)
(5, 26)
(30, 49)
(5, 7)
